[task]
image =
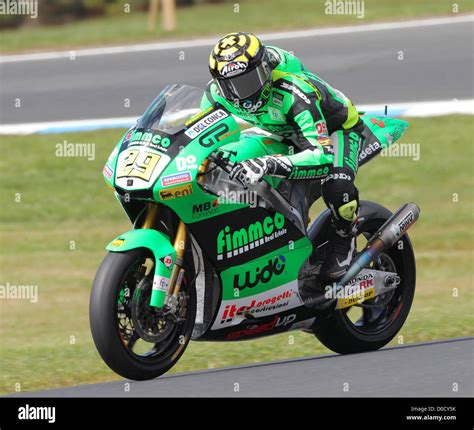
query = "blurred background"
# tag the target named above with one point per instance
(63, 81)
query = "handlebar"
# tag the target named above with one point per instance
(221, 160)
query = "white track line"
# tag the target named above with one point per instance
(183, 44)
(420, 109)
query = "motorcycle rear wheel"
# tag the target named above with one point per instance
(377, 326)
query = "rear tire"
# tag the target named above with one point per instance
(338, 333)
(113, 338)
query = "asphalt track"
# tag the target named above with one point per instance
(437, 65)
(417, 370)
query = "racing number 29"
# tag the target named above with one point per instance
(138, 164)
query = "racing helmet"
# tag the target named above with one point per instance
(240, 66)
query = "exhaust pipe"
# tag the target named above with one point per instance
(384, 238)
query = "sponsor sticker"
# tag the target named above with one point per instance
(296, 91)
(186, 163)
(175, 179)
(205, 209)
(176, 192)
(324, 141)
(357, 291)
(321, 127)
(275, 114)
(403, 225)
(260, 275)
(208, 121)
(233, 242)
(276, 300)
(378, 122)
(129, 134)
(107, 171)
(168, 261)
(118, 242)
(149, 139)
(278, 321)
(234, 68)
(358, 298)
(277, 99)
(199, 115)
(372, 148)
(160, 283)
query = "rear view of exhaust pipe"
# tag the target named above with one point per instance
(384, 238)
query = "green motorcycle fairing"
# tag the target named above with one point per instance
(164, 167)
(160, 246)
(161, 163)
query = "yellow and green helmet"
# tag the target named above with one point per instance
(239, 65)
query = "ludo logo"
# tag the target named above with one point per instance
(234, 242)
(274, 267)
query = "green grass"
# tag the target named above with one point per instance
(206, 19)
(48, 344)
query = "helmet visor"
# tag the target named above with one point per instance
(243, 86)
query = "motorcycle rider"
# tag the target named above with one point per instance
(273, 90)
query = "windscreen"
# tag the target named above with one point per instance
(171, 109)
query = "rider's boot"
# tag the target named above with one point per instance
(340, 250)
(342, 198)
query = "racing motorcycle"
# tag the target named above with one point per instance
(209, 260)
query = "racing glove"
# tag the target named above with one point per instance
(253, 170)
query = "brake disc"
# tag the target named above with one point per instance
(150, 323)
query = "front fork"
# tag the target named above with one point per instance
(168, 294)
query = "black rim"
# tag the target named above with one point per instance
(160, 334)
(377, 315)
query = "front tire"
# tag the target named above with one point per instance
(376, 327)
(115, 290)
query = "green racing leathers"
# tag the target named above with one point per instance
(317, 120)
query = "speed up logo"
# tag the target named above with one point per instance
(278, 321)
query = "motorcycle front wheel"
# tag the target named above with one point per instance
(135, 340)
